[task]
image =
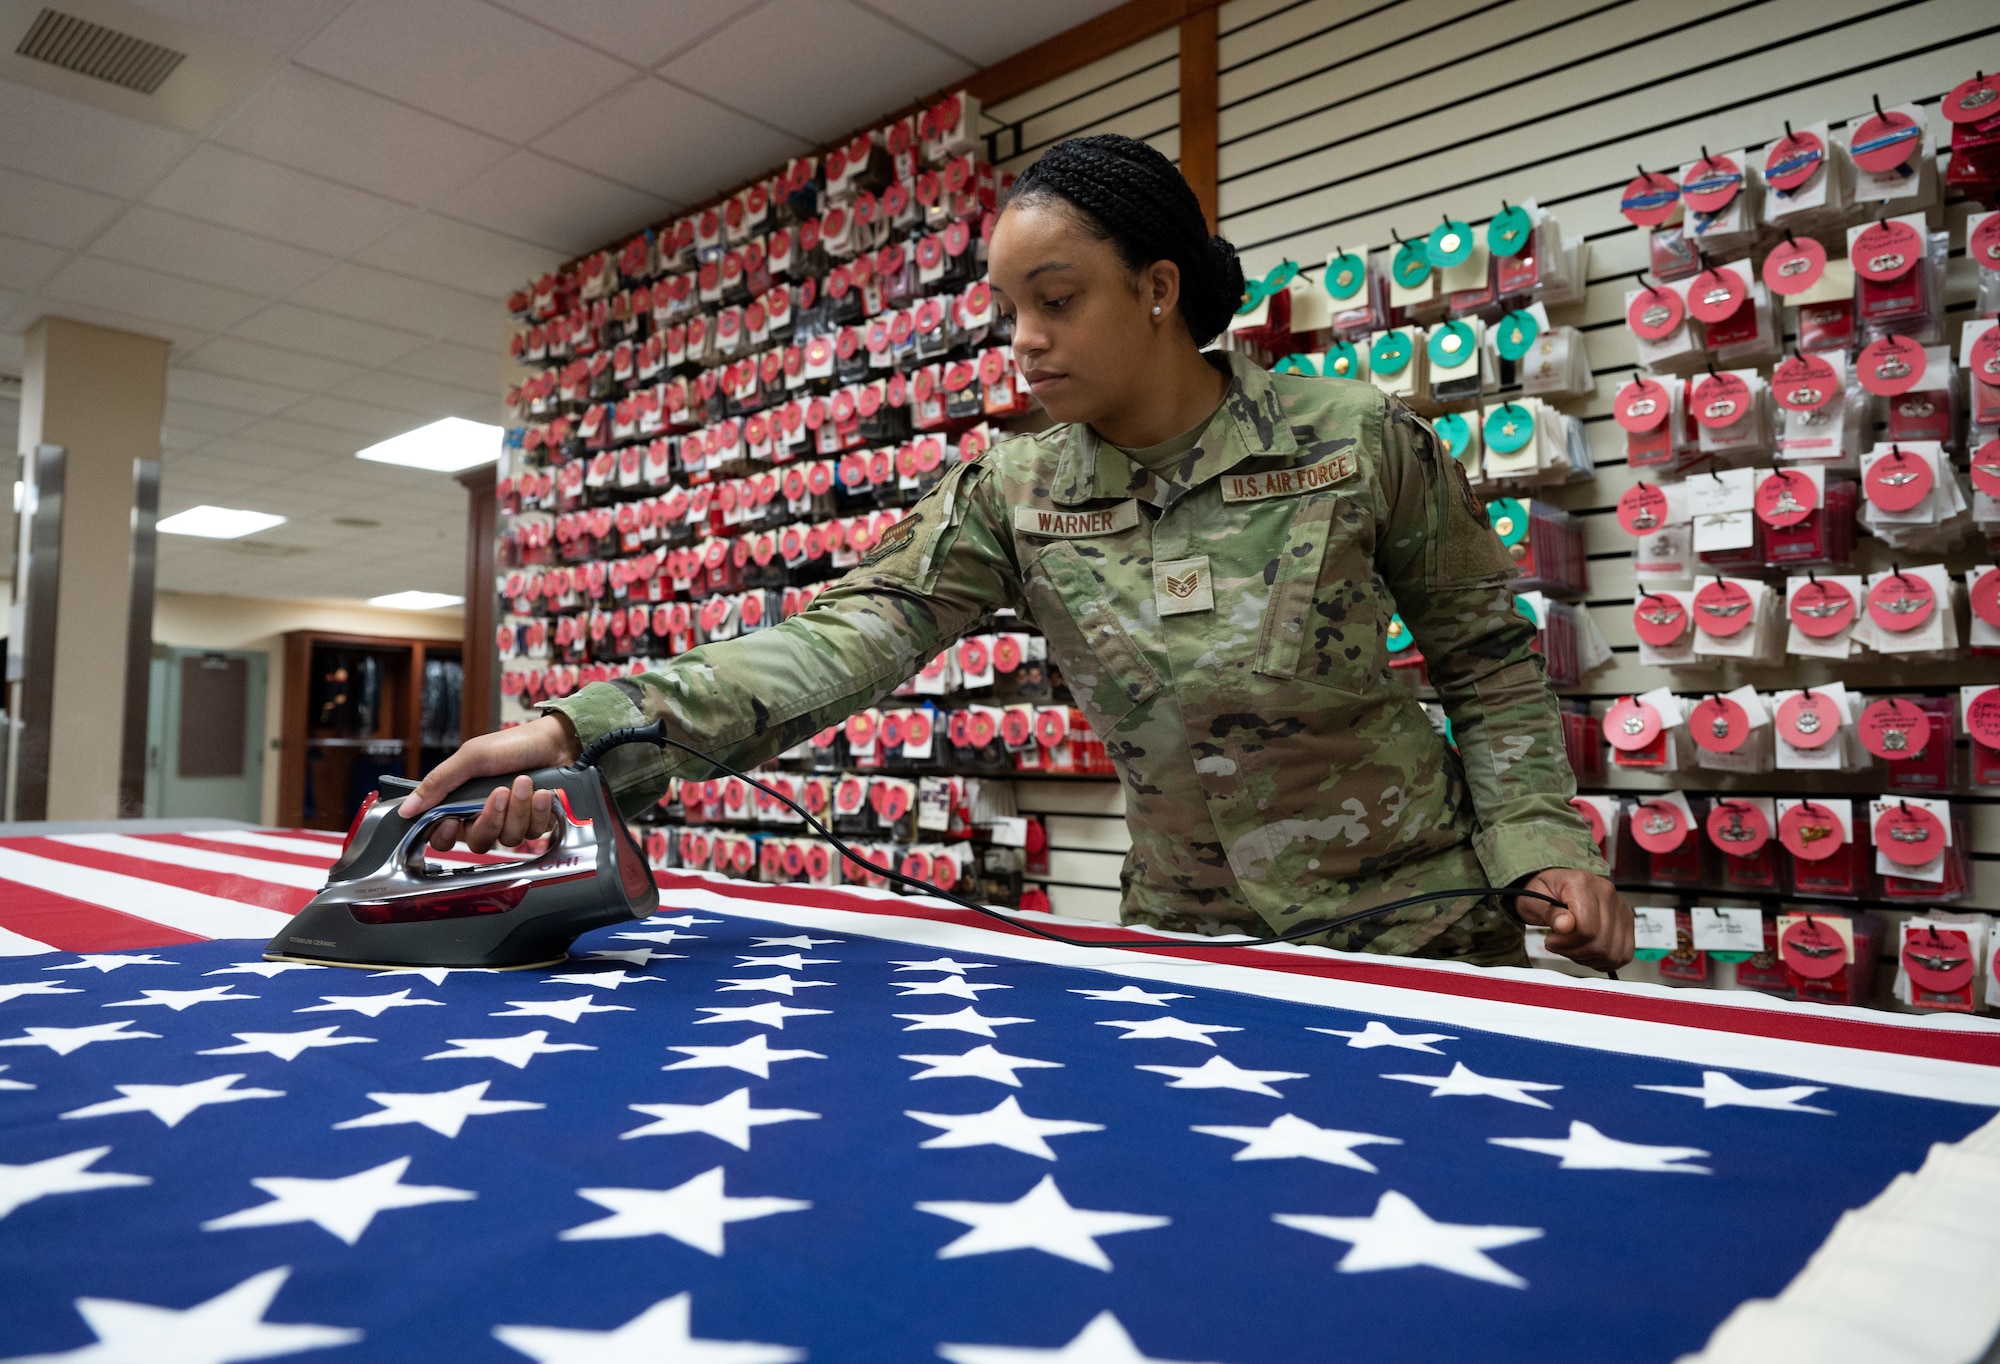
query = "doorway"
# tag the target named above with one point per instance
(205, 734)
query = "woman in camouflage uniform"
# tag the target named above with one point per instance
(1214, 554)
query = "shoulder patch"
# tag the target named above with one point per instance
(896, 537)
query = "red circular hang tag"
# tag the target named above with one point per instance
(1712, 184)
(973, 658)
(980, 728)
(1658, 826)
(1821, 609)
(1982, 717)
(1939, 960)
(1592, 819)
(1808, 719)
(1890, 365)
(1630, 725)
(1738, 828)
(1650, 200)
(1885, 141)
(1901, 602)
(1785, 498)
(1893, 729)
(1794, 266)
(1986, 598)
(1017, 727)
(1006, 654)
(1793, 160)
(1983, 246)
(1719, 724)
(1720, 400)
(1813, 950)
(1655, 313)
(1722, 608)
(1659, 620)
(1715, 294)
(1886, 250)
(1641, 405)
(1986, 357)
(1899, 481)
(1909, 835)
(1804, 383)
(1973, 101)
(1642, 508)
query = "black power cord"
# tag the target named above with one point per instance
(655, 733)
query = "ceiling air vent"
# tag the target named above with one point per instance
(98, 52)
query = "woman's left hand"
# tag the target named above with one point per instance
(1593, 924)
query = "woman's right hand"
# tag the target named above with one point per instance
(512, 814)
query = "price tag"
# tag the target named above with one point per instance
(1654, 930)
(1727, 930)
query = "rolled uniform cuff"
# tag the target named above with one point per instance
(638, 773)
(1514, 852)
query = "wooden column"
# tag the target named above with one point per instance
(1199, 78)
(480, 706)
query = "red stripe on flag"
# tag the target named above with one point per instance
(74, 926)
(222, 885)
(289, 859)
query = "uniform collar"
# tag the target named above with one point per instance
(1250, 422)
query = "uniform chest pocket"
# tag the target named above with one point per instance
(1078, 610)
(1322, 622)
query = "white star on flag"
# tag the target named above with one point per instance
(957, 968)
(22, 1184)
(266, 969)
(63, 1041)
(801, 941)
(178, 1000)
(770, 1014)
(1103, 1341)
(602, 980)
(111, 961)
(372, 1005)
(1586, 1148)
(658, 1335)
(1465, 1081)
(514, 1051)
(1288, 1137)
(1718, 1090)
(13, 1084)
(228, 1328)
(957, 986)
(1398, 1235)
(638, 956)
(286, 1046)
(35, 987)
(728, 1118)
(776, 985)
(444, 1111)
(344, 1207)
(1130, 994)
(753, 1056)
(968, 1019)
(663, 936)
(981, 1063)
(1002, 1125)
(568, 1010)
(796, 961)
(693, 1213)
(1165, 1027)
(434, 974)
(681, 921)
(1379, 1034)
(1040, 1219)
(1219, 1072)
(171, 1103)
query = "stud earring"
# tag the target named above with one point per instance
(1156, 310)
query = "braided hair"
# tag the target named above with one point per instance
(1122, 191)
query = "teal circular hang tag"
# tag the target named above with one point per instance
(1341, 361)
(1279, 276)
(1450, 242)
(1509, 427)
(1451, 345)
(1345, 274)
(1527, 611)
(1390, 353)
(1399, 637)
(1412, 265)
(1296, 364)
(1516, 334)
(1509, 519)
(1254, 293)
(1456, 433)
(1511, 229)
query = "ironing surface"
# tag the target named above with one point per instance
(843, 1126)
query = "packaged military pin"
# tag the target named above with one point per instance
(1458, 370)
(1651, 411)
(1463, 264)
(1357, 282)
(1732, 412)
(1939, 964)
(1736, 618)
(1815, 730)
(1722, 504)
(1982, 248)
(1912, 498)
(1731, 731)
(1807, 179)
(1412, 278)
(1821, 610)
(1657, 315)
(1742, 829)
(1819, 834)
(1982, 592)
(1722, 196)
(1913, 837)
(1910, 611)
(1396, 362)
(1895, 160)
(1824, 419)
(1979, 356)
(1663, 620)
(1979, 707)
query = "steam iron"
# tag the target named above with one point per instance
(385, 906)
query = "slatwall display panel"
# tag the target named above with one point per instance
(1344, 119)
(1134, 91)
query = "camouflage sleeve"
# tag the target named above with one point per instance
(1450, 575)
(933, 577)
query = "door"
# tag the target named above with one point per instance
(205, 741)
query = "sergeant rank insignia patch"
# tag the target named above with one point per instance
(1183, 586)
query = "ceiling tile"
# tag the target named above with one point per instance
(546, 201)
(277, 460)
(174, 441)
(220, 391)
(399, 301)
(620, 137)
(388, 388)
(26, 266)
(465, 61)
(144, 293)
(985, 34)
(304, 436)
(816, 67)
(175, 245)
(465, 366)
(56, 214)
(318, 333)
(80, 145)
(276, 29)
(643, 31)
(323, 126)
(268, 364)
(368, 422)
(193, 416)
(218, 185)
(460, 255)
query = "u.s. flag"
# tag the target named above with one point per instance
(776, 1124)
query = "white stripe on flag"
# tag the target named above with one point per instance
(206, 916)
(200, 859)
(14, 945)
(301, 847)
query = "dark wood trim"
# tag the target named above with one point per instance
(479, 707)
(139, 638)
(1092, 40)
(1200, 78)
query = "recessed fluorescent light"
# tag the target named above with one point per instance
(218, 523)
(417, 601)
(443, 447)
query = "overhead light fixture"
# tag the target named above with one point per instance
(218, 523)
(443, 447)
(417, 601)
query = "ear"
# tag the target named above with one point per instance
(1160, 287)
